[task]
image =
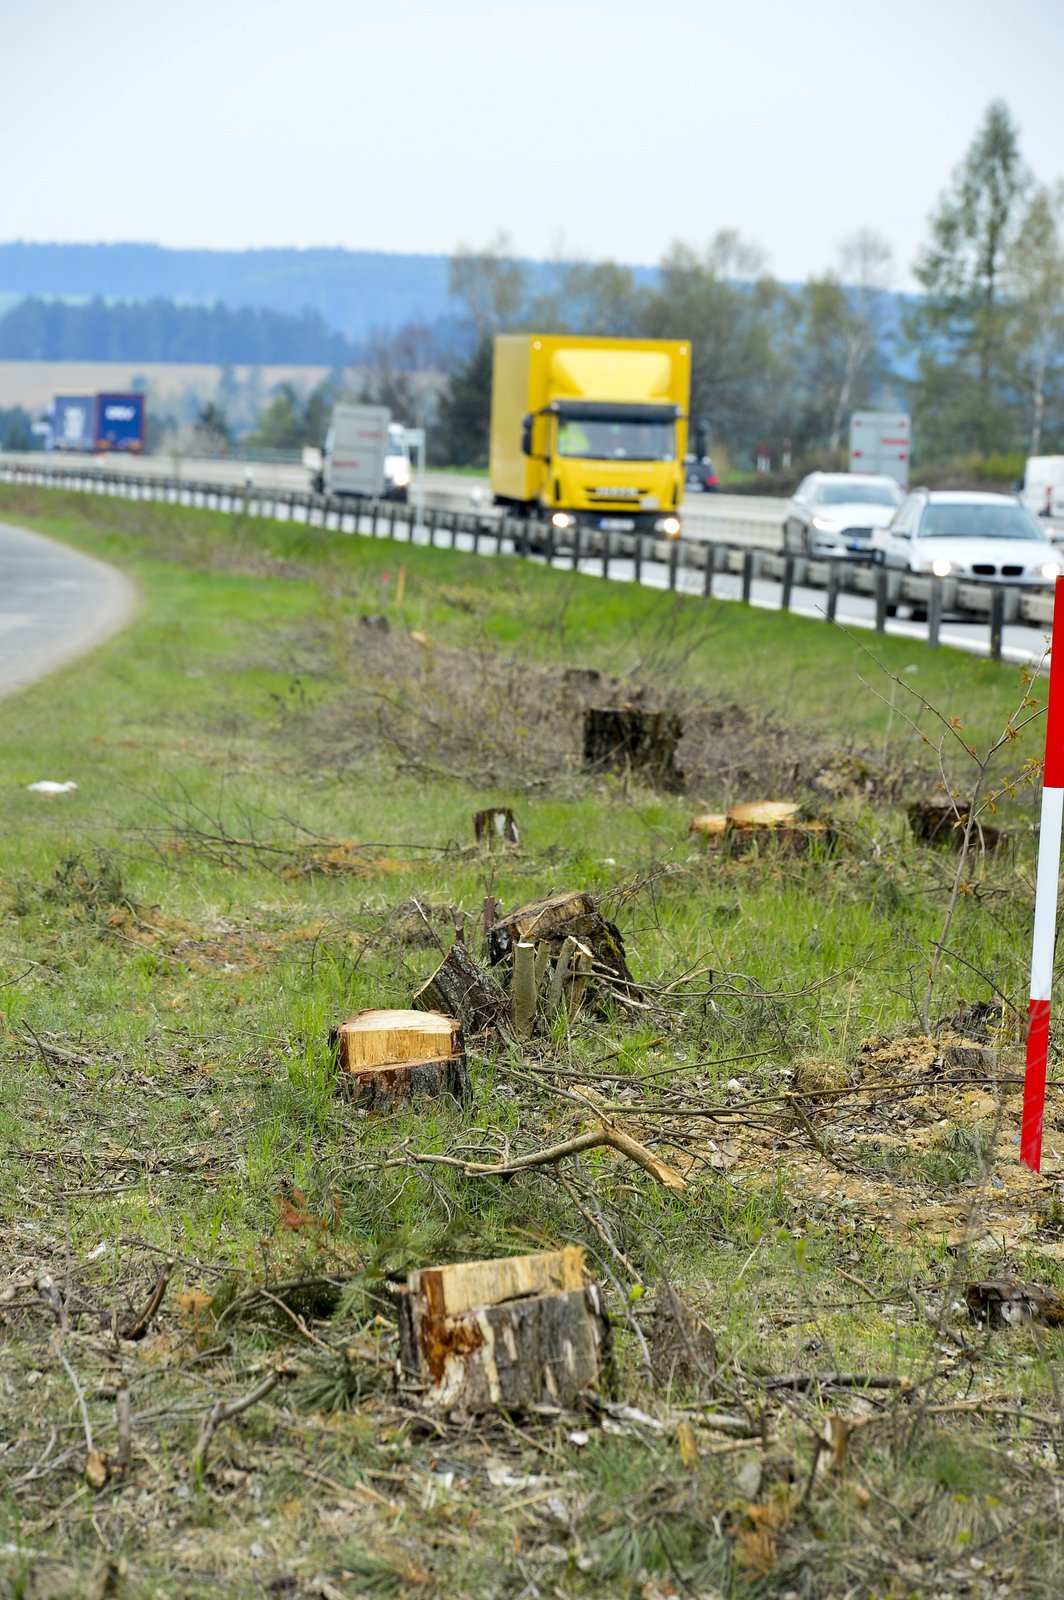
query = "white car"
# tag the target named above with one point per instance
(952, 533)
(836, 513)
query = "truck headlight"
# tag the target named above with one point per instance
(941, 567)
(561, 519)
(670, 526)
(400, 476)
(1050, 570)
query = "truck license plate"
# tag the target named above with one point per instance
(617, 524)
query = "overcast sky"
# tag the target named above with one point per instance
(598, 128)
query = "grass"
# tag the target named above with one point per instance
(265, 786)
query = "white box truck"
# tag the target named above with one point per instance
(356, 447)
(351, 460)
(880, 443)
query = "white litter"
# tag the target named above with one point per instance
(48, 786)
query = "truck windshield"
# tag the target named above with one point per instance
(595, 440)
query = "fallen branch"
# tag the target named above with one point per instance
(667, 1176)
(137, 1326)
(801, 1382)
(225, 1411)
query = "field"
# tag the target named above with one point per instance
(272, 830)
(33, 383)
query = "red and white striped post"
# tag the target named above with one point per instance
(1045, 899)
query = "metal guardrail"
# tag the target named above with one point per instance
(996, 603)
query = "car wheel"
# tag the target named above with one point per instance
(919, 613)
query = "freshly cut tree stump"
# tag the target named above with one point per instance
(495, 826)
(393, 1056)
(942, 820)
(460, 989)
(711, 823)
(509, 1334)
(632, 739)
(754, 820)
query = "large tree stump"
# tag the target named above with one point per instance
(940, 819)
(390, 1057)
(763, 821)
(632, 739)
(509, 1334)
(460, 989)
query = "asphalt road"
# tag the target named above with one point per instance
(55, 604)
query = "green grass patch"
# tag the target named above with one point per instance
(272, 829)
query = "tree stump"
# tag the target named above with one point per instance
(508, 1335)
(942, 820)
(495, 826)
(633, 739)
(575, 945)
(391, 1057)
(460, 989)
(763, 820)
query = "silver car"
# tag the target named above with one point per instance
(836, 513)
(953, 533)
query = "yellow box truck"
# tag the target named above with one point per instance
(590, 431)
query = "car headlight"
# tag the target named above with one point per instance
(561, 519)
(1050, 570)
(826, 525)
(941, 567)
(670, 526)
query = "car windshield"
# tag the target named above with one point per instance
(975, 521)
(859, 494)
(596, 440)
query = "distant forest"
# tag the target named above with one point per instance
(357, 292)
(159, 330)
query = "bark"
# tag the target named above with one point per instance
(495, 826)
(630, 739)
(460, 989)
(389, 1058)
(941, 820)
(509, 1334)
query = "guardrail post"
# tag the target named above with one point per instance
(548, 548)
(606, 537)
(577, 541)
(374, 509)
(833, 590)
(674, 562)
(430, 525)
(637, 559)
(881, 599)
(748, 575)
(711, 567)
(787, 583)
(997, 620)
(934, 613)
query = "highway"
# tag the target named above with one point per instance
(746, 522)
(751, 520)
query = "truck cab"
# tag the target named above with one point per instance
(590, 432)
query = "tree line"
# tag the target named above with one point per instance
(978, 356)
(161, 330)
